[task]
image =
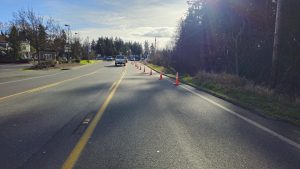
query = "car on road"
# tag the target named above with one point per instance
(120, 60)
(131, 58)
(99, 58)
(109, 58)
(137, 58)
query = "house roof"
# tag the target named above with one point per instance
(3, 39)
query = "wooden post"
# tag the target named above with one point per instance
(274, 71)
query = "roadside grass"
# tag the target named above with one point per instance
(86, 62)
(62, 66)
(167, 71)
(245, 93)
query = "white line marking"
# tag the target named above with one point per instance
(273, 133)
(37, 77)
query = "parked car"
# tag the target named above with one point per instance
(137, 58)
(109, 58)
(120, 60)
(99, 57)
(131, 58)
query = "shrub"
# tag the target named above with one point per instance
(45, 64)
(223, 79)
(77, 60)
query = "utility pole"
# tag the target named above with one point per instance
(276, 45)
(155, 45)
(88, 49)
(37, 44)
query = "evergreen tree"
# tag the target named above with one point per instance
(146, 48)
(42, 38)
(93, 45)
(14, 43)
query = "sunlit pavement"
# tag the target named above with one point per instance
(148, 123)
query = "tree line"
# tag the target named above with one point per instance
(43, 34)
(236, 37)
(106, 46)
(48, 34)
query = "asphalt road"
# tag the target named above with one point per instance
(147, 124)
(8, 67)
(18, 72)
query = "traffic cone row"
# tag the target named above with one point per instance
(140, 67)
(177, 82)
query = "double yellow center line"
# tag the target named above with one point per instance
(74, 155)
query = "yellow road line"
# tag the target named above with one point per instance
(74, 155)
(45, 87)
(112, 86)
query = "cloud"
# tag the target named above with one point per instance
(164, 32)
(129, 19)
(161, 32)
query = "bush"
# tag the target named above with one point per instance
(169, 70)
(227, 80)
(230, 82)
(161, 58)
(45, 64)
(77, 60)
(63, 60)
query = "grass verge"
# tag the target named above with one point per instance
(244, 93)
(86, 62)
(167, 71)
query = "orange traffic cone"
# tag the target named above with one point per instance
(150, 72)
(161, 77)
(177, 79)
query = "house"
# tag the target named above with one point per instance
(4, 44)
(25, 49)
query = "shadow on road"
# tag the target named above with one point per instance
(110, 66)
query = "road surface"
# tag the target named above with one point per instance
(102, 116)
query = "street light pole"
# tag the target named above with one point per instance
(76, 38)
(77, 45)
(69, 45)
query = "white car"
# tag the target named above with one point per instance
(120, 60)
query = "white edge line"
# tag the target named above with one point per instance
(37, 77)
(271, 132)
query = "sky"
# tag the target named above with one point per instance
(132, 20)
